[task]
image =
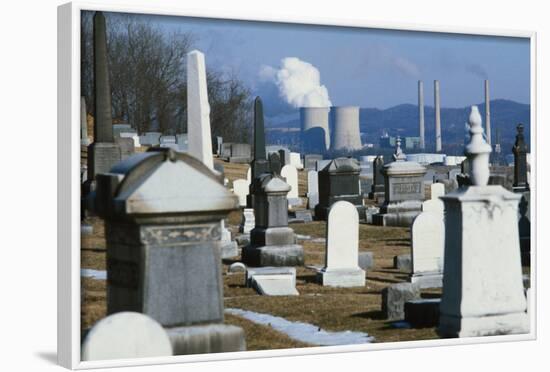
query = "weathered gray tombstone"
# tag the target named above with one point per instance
(225, 151)
(216, 145)
(521, 183)
(150, 139)
(427, 249)
(126, 335)
(275, 163)
(342, 248)
(394, 298)
(103, 153)
(481, 298)
(310, 160)
(312, 189)
(162, 212)
(240, 153)
(198, 110)
(126, 145)
(377, 188)
(339, 180)
(122, 128)
(404, 191)
(259, 164)
(284, 155)
(272, 242)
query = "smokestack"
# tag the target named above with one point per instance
(437, 117)
(487, 113)
(421, 113)
(345, 125)
(312, 120)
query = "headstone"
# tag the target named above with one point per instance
(216, 145)
(259, 164)
(228, 247)
(302, 216)
(272, 242)
(366, 260)
(342, 248)
(131, 135)
(198, 110)
(312, 189)
(150, 139)
(339, 181)
(290, 174)
(240, 188)
(422, 313)
(248, 221)
(434, 204)
(377, 189)
(480, 297)
(240, 153)
(168, 265)
(126, 335)
(403, 262)
(122, 128)
(270, 281)
(394, 298)
(524, 227)
(275, 163)
(237, 267)
(127, 147)
(310, 160)
(295, 160)
(521, 183)
(284, 155)
(225, 151)
(427, 248)
(182, 142)
(103, 153)
(404, 191)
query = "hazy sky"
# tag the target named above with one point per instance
(365, 67)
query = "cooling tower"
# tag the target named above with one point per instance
(315, 133)
(345, 128)
(437, 111)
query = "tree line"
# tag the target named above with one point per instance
(147, 70)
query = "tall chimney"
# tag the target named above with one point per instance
(437, 117)
(421, 113)
(103, 121)
(487, 113)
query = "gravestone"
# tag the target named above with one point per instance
(248, 221)
(131, 135)
(228, 247)
(310, 160)
(403, 191)
(240, 188)
(524, 227)
(122, 128)
(103, 153)
(434, 204)
(290, 175)
(225, 151)
(216, 145)
(394, 298)
(342, 248)
(272, 281)
(427, 248)
(126, 335)
(275, 163)
(272, 242)
(521, 183)
(339, 180)
(259, 164)
(150, 139)
(481, 297)
(162, 212)
(284, 155)
(240, 153)
(182, 142)
(312, 189)
(126, 146)
(321, 164)
(295, 160)
(377, 188)
(198, 110)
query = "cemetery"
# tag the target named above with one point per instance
(196, 245)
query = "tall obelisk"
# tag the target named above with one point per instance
(422, 144)
(437, 117)
(104, 152)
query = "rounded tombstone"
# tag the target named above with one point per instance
(126, 335)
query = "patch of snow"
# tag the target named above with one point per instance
(304, 332)
(94, 274)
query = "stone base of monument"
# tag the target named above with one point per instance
(239, 159)
(489, 325)
(341, 277)
(274, 255)
(209, 338)
(398, 214)
(427, 280)
(422, 313)
(394, 298)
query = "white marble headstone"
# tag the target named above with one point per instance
(427, 245)
(435, 204)
(198, 110)
(240, 188)
(312, 182)
(290, 174)
(126, 335)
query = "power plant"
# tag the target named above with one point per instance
(315, 129)
(422, 144)
(345, 127)
(437, 117)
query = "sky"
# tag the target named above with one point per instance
(363, 67)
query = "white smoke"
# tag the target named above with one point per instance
(299, 83)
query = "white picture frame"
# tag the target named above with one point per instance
(69, 185)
